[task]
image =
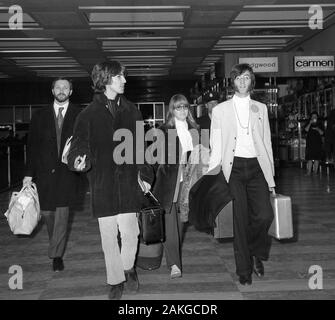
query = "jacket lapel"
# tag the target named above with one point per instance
(66, 128)
(254, 112)
(232, 116)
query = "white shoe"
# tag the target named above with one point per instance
(175, 272)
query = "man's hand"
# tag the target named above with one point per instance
(147, 187)
(272, 190)
(27, 181)
(80, 163)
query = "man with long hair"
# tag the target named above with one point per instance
(115, 194)
(241, 143)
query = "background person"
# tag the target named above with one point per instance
(50, 127)
(314, 150)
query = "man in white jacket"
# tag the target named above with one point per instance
(241, 144)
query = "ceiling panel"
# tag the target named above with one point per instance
(153, 38)
(58, 19)
(217, 17)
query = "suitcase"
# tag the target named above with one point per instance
(151, 223)
(282, 225)
(224, 222)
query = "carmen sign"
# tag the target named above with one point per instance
(313, 63)
(264, 64)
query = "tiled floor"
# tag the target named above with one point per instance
(208, 264)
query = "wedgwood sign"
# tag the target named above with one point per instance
(313, 63)
(262, 64)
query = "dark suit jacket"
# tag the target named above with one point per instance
(208, 196)
(114, 186)
(56, 184)
(205, 126)
(168, 169)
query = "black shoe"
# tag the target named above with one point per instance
(115, 292)
(131, 285)
(57, 264)
(258, 266)
(245, 280)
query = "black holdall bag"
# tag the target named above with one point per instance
(151, 222)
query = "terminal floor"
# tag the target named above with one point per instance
(208, 263)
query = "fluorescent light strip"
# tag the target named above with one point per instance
(51, 66)
(263, 36)
(138, 23)
(268, 26)
(23, 29)
(27, 39)
(31, 51)
(250, 44)
(133, 8)
(140, 57)
(41, 58)
(141, 50)
(138, 38)
(146, 63)
(246, 22)
(273, 6)
(137, 28)
(246, 48)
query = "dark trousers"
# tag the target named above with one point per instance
(253, 213)
(56, 222)
(173, 237)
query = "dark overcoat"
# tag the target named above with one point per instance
(56, 184)
(168, 168)
(114, 186)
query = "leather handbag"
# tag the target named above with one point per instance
(151, 222)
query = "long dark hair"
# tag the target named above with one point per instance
(237, 70)
(103, 72)
(175, 101)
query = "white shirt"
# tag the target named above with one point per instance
(57, 106)
(245, 147)
(184, 136)
(185, 139)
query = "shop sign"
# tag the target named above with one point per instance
(314, 63)
(262, 64)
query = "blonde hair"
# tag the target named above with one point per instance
(175, 101)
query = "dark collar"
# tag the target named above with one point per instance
(102, 99)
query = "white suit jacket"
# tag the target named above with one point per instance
(224, 133)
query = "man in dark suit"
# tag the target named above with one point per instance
(210, 100)
(50, 127)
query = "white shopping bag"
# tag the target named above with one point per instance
(23, 213)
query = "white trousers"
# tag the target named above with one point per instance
(117, 261)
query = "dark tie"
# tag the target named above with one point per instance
(60, 117)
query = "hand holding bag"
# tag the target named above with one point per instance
(151, 222)
(23, 213)
(282, 225)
